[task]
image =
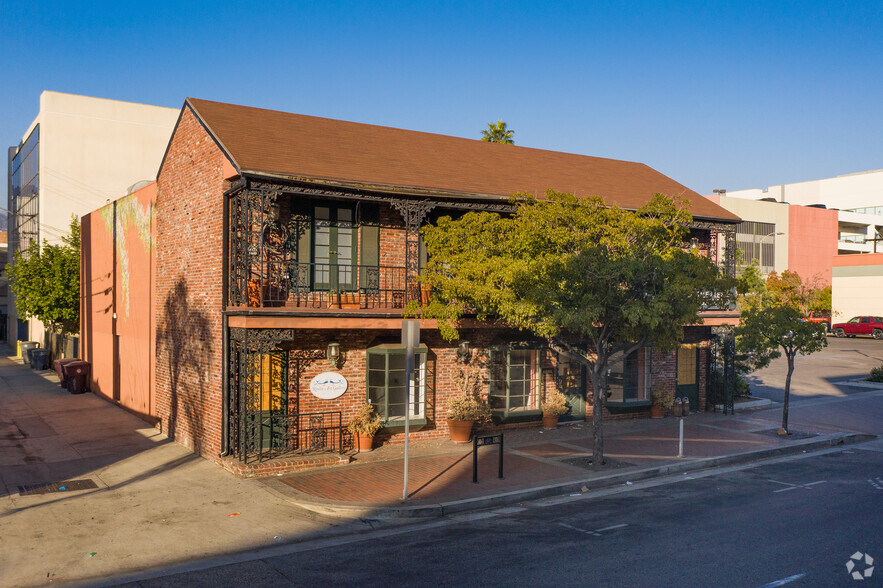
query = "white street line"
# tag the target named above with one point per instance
(808, 486)
(571, 527)
(783, 581)
(596, 532)
(610, 528)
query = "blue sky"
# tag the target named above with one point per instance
(714, 94)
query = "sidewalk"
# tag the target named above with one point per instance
(540, 463)
(133, 500)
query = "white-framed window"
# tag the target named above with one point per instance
(514, 379)
(387, 383)
(629, 379)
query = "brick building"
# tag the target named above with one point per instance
(282, 239)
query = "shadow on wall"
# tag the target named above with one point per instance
(185, 342)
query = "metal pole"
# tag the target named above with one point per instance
(681, 438)
(474, 459)
(501, 456)
(410, 339)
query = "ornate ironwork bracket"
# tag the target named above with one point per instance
(728, 231)
(414, 213)
(260, 340)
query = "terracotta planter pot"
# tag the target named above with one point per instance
(461, 431)
(657, 412)
(366, 443)
(550, 421)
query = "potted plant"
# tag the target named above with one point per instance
(663, 399)
(364, 426)
(469, 407)
(553, 407)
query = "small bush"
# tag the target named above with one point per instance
(876, 374)
(741, 386)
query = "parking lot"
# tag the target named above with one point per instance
(814, 375)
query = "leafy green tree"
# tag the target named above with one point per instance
(46, 281)
(751, 287)
(498, 133)
(806, 296)
(763, 331)
(595, 282)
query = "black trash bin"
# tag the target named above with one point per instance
(39, 359)
(27, 346)
(76, 376)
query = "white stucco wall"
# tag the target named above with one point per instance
(856, 289)
(91, 151)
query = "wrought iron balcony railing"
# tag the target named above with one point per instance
(325, 285)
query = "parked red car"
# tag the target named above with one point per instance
(860, 325)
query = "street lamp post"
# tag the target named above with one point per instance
(759, 255)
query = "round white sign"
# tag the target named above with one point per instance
(328, 385)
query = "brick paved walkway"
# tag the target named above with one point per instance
(532, 458)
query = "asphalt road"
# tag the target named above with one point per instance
(796, 520)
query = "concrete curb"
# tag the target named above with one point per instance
(434, 510)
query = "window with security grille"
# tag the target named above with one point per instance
(756, 241)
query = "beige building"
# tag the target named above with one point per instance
(77, 154)
(858, 281)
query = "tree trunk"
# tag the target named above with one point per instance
(784, 429)
(597, 422)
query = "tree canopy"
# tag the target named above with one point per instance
(594, 281)
(498, 133)
(46, 281)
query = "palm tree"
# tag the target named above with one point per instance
(498, 133)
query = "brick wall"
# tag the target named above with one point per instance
(189, 214)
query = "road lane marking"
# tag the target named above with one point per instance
(596, 532)
(808, 485)
(878, 483)
(783, 581)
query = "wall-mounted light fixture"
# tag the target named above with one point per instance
(464, 351)
(333, 353)
(694, 243)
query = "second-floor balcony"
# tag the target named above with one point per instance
(292, 284)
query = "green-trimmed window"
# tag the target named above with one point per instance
(387, 383)
(628, 380)
(514, 380)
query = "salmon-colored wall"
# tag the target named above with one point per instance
(853, 260)
(118, 324)
(812, 241)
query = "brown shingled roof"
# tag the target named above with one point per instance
(346, 153)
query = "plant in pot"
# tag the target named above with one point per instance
(663, 399)
(364, 426)
(553, 407)
(468, 407)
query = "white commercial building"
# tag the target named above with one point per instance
(858, 197)
(78, 154)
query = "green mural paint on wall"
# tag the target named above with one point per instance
(132, 216)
